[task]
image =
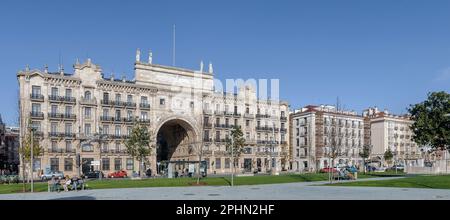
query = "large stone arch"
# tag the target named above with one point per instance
(176, 138)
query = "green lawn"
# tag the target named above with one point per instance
(163, 182)
(421, 181)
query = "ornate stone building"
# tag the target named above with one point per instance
(318, 132)
(389, 131)
(184, 113)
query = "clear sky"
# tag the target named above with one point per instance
(381, 53)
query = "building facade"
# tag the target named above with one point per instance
(320, 133)
(9, 149)
(388, 131)
(186, 118)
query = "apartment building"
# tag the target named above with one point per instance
(183, 111)
(320, 133)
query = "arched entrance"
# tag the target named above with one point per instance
(175, 142)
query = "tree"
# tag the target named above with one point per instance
(365, 153)
(236, 144)
(25, 152)
(431, 121)
(388, 155)
(138, 144)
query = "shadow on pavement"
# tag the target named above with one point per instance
(76, 198)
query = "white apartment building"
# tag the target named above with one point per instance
(393, 131)
(318, 131)
(183, 111)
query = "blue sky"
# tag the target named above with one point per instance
(369, 53)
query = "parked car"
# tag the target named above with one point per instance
(328, 170)
(48, 176)
(380, 169)
(118, 174)
(93, 174)
(397, 167)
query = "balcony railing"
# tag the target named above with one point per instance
(207, 125)
(144, 120)
(106, 118)
(144, 106)
(61, 134)
(85, 101)
(262, 116)
(247, 115)
(37, 97)
(52, 115)
(37, 115)
(207, 140)
(67, 99)
(207, 111)
(283, 118)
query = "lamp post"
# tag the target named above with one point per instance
(31, 156)
(232, 156)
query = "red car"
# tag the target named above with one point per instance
(328, 170)
(118, 174)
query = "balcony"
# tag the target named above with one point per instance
(84, 101)
(207, 140)
(223, 126)
(207, 125)
(218, 112)
(144, 106)
(237, 115)
(61, 135)
(267, 142)
(64, 99)
(62, 116)
(127, 119)
(37, 115)
(262, 116)
(107, 102)
(37, 97)
(106, 118)
(129, 104)
(283, 118)
(248, 115)
(144, 120)
(284, 130)
(207, 111)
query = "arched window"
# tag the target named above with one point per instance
(87, 95)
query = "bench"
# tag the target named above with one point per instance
(59, 186)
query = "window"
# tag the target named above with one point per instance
(105, 129)
(247, 110)
(118, 115)
(129, 115)
(36, 125)
(36, 91)
(129, 99)
(118, 131)
(247, 123)
(68, 129)
(236, 122)
(68, 146)
(162, 101)
(298, 152)
(227, 163)
(87, 95)
(117, 164)
(68, 92)
(68, 110)
(144, 115)
(105, 164)
(105, 96)
(217, 121)
(87, 129)
(105, 112)
(53, 128)
(298, 142)
(36, 108)
(87, 148)
(54, 109)
(218, 163)
(118, 98)
(130, 164)
(192, 104)
(217, 135)
(129, 129)
(54, 164)
(68, 164)
(54, 146)
(105, 147)
(87, 112)
(54, 92)
(144, 100)
(117, 146)
(235, 110)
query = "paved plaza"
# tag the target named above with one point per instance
(286, 191)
